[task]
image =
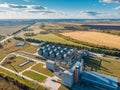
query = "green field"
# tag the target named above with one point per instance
(13, 64)
(35, 76)
(10, 47)
(51, 38)
(40, 68)
(63, 88)
(108, 67)
(22, 80)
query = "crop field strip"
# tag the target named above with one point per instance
(95, 38)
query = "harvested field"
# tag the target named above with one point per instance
(5, 85)
(96, 38)
(9, 29)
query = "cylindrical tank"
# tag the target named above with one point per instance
(76, 77)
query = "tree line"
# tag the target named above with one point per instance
(85, 45)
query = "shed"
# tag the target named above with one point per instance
(22, 43)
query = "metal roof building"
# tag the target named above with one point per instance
(50, 65)
(99, 80)
(67, 78)
(22, 43)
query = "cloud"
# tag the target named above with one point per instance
(28, 11)
(117, 8)
(110, 1)
(42, 11)
(90, 13)
(16, 6)
(26, 0)
(37, 7)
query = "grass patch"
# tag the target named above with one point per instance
(13, 64)
(10, 47)
(40, 68)
(51, 38)
(29, 48)
(108, 67)
(63, 88)
(22, 80)
(35, 76)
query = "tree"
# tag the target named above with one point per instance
(1, 46)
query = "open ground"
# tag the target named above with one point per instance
(96, 38)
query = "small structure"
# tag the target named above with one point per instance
(22, 43)
(26, 62)
(67, 78)
(50, 65)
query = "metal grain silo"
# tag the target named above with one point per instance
(59, 56)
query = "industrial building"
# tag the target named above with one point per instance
(62, 54)
(50, 65)
(68, 64)
(99, 80)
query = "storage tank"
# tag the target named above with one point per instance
(45, 53)
(53, 47)
(49, 49)
(77, 74)
(59, 48)
(65, 49)
(52, 55)
(59, 56)
(40, 52)
(48, 45)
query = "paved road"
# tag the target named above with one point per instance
(45, 84)
(20, 73)
(8, 37)
(39, 73)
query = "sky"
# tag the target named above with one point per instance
(59, 9)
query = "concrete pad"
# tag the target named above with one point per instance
(49, 82)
